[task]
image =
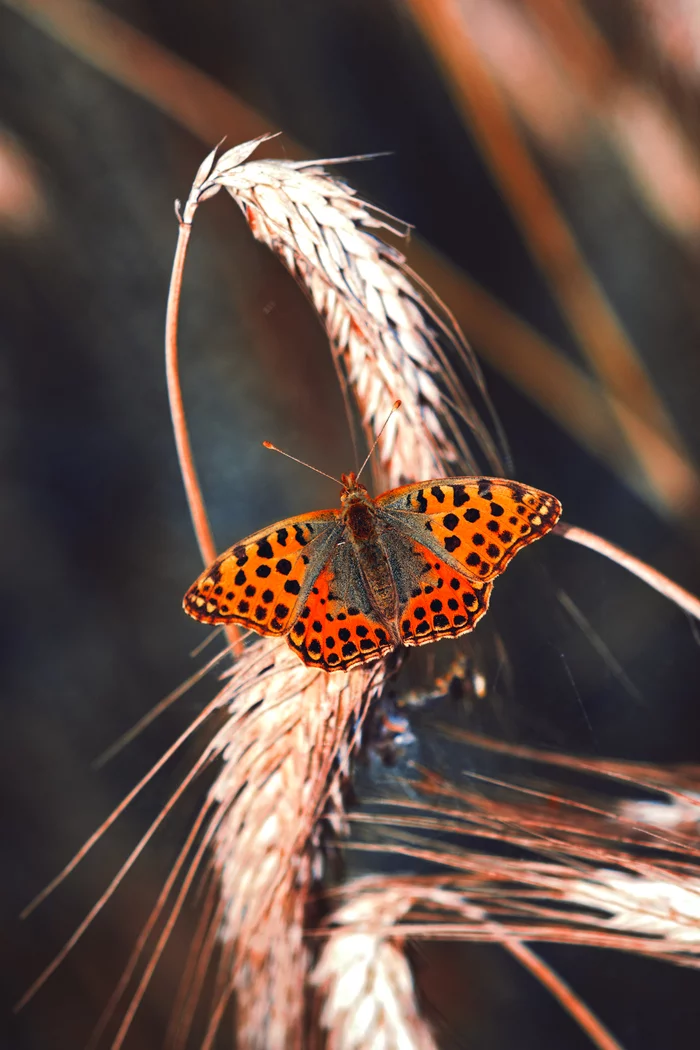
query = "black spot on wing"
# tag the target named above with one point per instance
(300, 537)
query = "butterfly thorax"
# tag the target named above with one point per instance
(358, 512)
(359, 515)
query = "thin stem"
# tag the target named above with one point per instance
(578, 1010)
(200, 521)
(198, 512)
(687, 601)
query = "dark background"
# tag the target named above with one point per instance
(97, 544)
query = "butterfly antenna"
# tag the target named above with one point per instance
(268, 444)
(396, 404)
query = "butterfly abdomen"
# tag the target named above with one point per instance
(360, 518)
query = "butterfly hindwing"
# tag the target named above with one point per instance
(336, 627)
(477, 523)
(443, 603)
(261, 581)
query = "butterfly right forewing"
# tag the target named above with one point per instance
(476, 523)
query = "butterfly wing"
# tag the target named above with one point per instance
(337, 628)
(474, 524)
(435, 599)
(263, 580)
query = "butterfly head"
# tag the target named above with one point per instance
(352, 488)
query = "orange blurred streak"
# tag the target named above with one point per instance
(676, 27)
(589, 313)
(529, 74)
(660, 157)
(119, 51)
(22, 204)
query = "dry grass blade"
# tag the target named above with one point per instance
(600, 858)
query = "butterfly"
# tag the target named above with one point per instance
(405, 568)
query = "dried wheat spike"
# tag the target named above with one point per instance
(391, 338)
(286, 748)
(667, 908)
(364, 976)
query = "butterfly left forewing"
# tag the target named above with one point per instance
(476, 523)
(261, 581)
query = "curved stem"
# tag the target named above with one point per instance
(594, 1029)
(687, 601)
(200, 519)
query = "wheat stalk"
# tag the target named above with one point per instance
(292, 730)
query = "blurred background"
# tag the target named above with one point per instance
(546, 152)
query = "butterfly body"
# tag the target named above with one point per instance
(364, 529)
(405, 568)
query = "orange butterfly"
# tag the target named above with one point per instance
(347, 586)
